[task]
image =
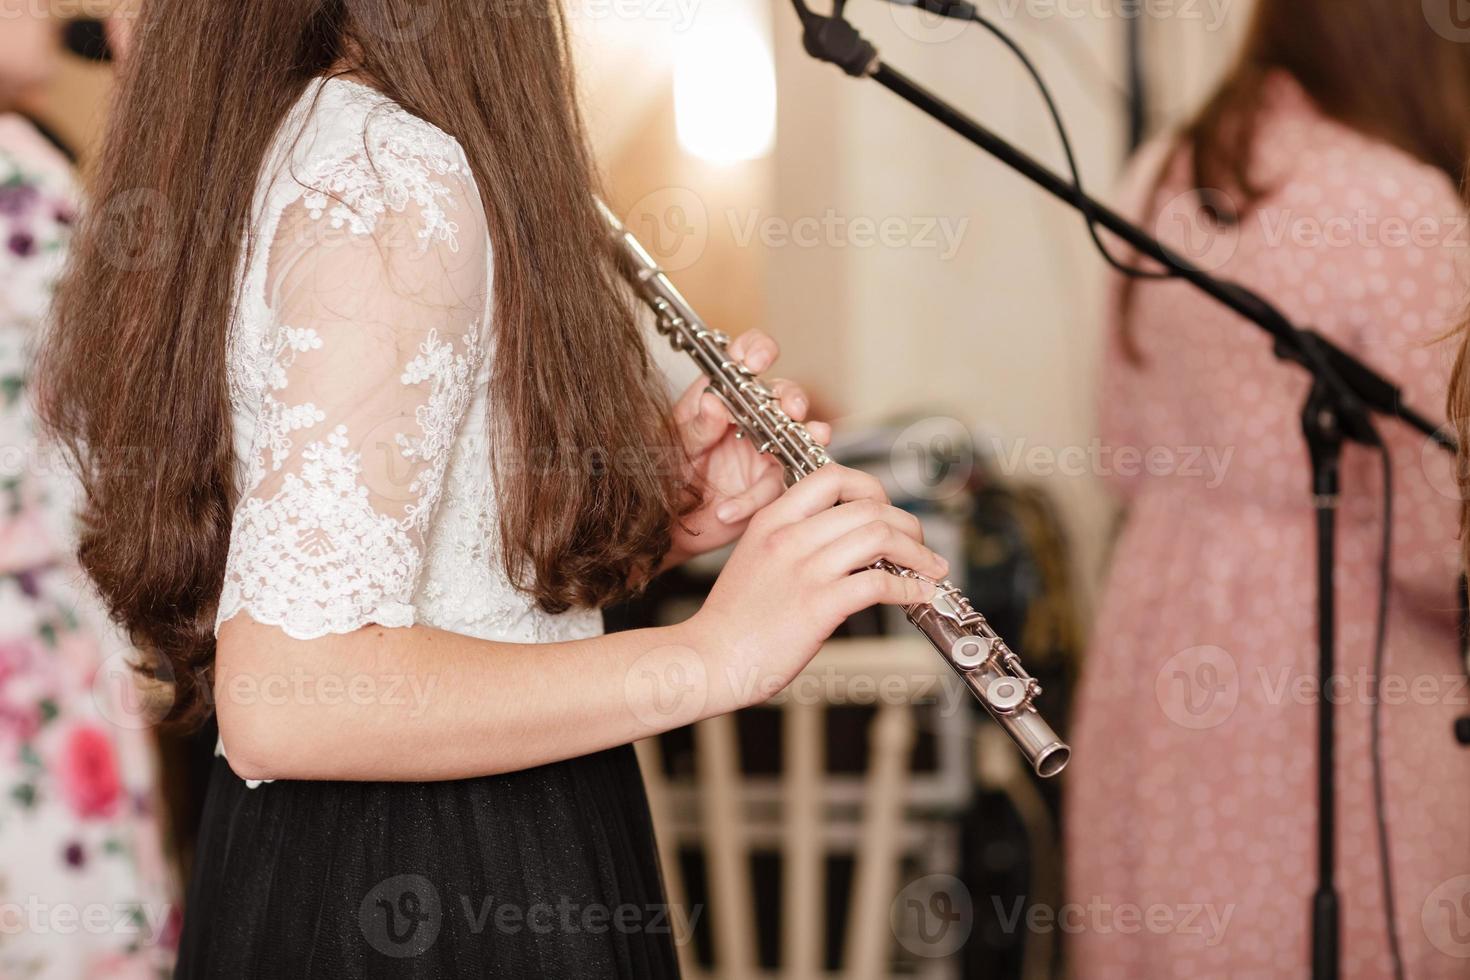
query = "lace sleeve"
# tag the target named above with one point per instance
(377, 286)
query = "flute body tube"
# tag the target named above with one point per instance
(960, 634)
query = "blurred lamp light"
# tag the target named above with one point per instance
(725, 91)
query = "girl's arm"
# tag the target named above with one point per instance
(418, 703)
(425, 704)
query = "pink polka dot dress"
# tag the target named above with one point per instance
(1191, 822)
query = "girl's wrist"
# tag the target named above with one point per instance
(733, 662)
(700, 662)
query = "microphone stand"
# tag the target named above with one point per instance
(1137, 83)
(1344, 395)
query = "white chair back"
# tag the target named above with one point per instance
(808, 813)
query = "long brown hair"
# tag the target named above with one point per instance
(133, 375)
(1394, 70)
(1457, 411)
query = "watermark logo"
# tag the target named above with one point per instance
(401, 916)
(678, 14)
(1361, 686)
(404, 22)
(135, 229)
(1206, 465)
(392, 458)
(126, 698)
(61, 10)
(1446, 917)
(1201, 224)
(1450, 19)
(411, 692)
(924, 26)
(1210, 14)
(940, 234)
(146, 923)
(667, 685)
(1206, 922)
(673, 224)
(933, 916)
(1198, 688)
(933, 459)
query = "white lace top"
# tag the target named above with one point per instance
(359, 366)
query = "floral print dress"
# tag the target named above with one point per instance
(83, 887)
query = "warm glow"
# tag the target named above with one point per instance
(725, 91)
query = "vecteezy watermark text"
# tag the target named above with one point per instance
(402, 916)
(938, 233)
(1205, 463)
(33, 916)
(1096, 916)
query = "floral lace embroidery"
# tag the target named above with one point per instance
(320, 554)
(277, 419)
(319, 536)
(354, 190)
(451, 377)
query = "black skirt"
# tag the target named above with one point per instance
(549, 872)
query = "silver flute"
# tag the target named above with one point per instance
(964, 639)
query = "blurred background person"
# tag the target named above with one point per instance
(83, 886)
(1341, 127)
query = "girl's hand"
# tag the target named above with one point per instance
(800, 570)
(733, 480)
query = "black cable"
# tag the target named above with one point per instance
(1083, 201)
(1081, 61)
(1375, 724)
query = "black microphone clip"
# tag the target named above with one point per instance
(834, 40)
